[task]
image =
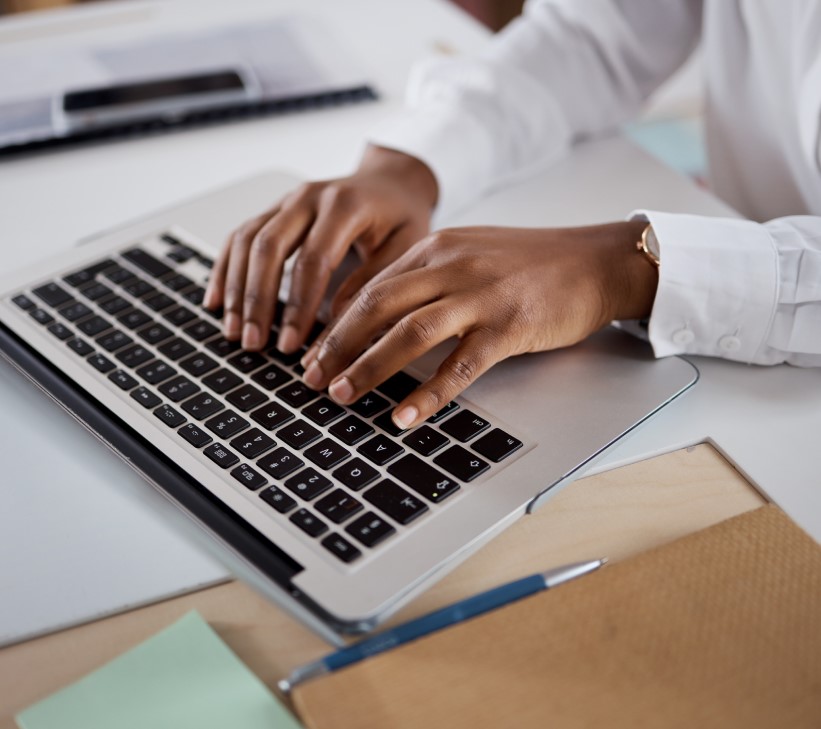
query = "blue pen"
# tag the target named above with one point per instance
(442, 618)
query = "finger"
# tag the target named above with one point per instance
(473, 356)
(266, 257)
(235, 282)
(411, 336)
(393, 247)
(333, 232)
(374, 309)
(215, 291)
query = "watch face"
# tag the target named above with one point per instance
(653, 243)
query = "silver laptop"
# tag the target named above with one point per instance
(330, 511)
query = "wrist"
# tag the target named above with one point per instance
(413, 174)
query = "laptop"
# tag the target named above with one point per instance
(329, 511)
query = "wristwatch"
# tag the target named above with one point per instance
(649, 246)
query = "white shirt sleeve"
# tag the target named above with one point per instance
(738, 289)
(563, 71)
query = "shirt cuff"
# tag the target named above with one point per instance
(718, 286)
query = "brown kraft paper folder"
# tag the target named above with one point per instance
(719, 629)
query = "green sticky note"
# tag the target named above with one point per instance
(184, 677)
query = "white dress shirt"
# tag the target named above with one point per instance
(567, 70)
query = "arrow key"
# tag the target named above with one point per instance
(461, 463)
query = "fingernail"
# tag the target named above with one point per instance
(250, 336)
(232, 325)
(288, 339)
(313, 375)
(342, 390)
(405, 417)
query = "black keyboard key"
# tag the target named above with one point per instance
(370, 529)
(195, 435)
(286, 359)
(271, 415)
(497, 445)
(423, 478)
(114, 305)
(426, 440)
(351, 430)
(201, 330)
(113, 340)
(78, 278)
(61, 331)
(223, 347)
(41, 316)
(356, 474)
(341, 547)
(202, 406)
(139, 288)
(247, 361)
(441, 414)
(461, 463)
(278, 499)
(181, 253)
(246, 398)
(248, 477)
(308, 484)
(465, 425)
(297, 394)
(252, 443)
(323, 412)
(399, 386)
(134, 356)
(169, 416)
(226, 424)
(179, 389)
(380, 449)
(178, 282)
(280, 463)
(400, 505)
(170, 239)
(24, 302)
(75, 311)
(369, 405)
(145, 397)
(93, 326)
(96, 291)
(159, 302)
(176, 348)
(385, 422)
(52, 293)
(123, 380)
(338, 506)
(134, 319)
(220, 455)
(271, 377)
(80, 346)
(147, 262)
(299, 434)
(195, 296)
(155, 333)
(100, 363)
(309, 523)
(222, 380)
(156, 372)
(179, 315)
(327, 453)
(118, 275)
(198, 364)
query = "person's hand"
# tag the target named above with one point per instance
(500, 291)
(381, 210)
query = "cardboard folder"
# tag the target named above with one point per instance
(719, 629)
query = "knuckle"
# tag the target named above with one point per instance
(462, 371)
(233, 297)
(337, 195)
(371, 301)
(332, 345)
(418, 330)
(311, 261)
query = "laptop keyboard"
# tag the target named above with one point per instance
(344, 476)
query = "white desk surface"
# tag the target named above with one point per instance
(87, 537)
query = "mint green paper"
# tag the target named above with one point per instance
(184, 677)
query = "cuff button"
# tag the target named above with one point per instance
(683, 336)
(729, 343)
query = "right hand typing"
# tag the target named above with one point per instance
(381, 211)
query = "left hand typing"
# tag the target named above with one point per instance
(500, 291)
